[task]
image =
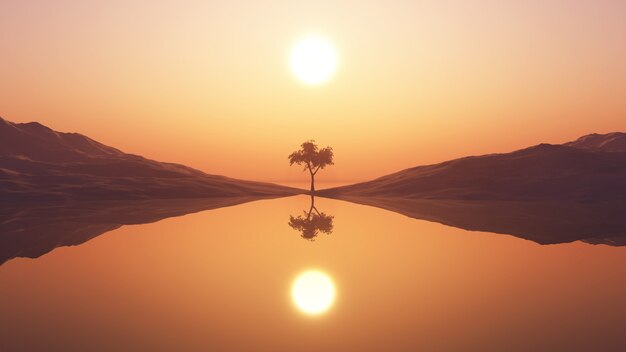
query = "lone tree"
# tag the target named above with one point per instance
(312, 158)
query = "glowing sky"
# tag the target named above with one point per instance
(208, 84)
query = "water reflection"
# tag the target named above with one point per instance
(313, 292)
(312, 222)
(33, 229)
(543, 222)
(405, 285)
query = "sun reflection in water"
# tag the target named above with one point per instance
(313, 292)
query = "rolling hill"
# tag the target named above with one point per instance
(592, 168)
(38, 163)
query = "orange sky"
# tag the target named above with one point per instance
(209, 85)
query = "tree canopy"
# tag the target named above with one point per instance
(312, 223)
(311, 157)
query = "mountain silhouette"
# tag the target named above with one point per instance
(593, 168)
(610, 142)
(547, 193)
(38, 163)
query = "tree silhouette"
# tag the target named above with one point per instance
(312, 158)
(312, 223)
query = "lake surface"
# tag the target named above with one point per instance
(220, 280)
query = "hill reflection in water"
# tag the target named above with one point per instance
(31, 230)
(221, 279)
(541, 222)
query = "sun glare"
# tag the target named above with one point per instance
(313, 60)
(313, 292)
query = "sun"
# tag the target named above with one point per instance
(313, 60)
(313, 292)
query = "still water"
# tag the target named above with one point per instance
(223, 280)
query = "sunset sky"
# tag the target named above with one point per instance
(208, 84)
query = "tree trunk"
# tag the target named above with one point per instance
(312, 185)
(308, 217)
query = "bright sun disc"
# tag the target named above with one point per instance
(313, 292)
(313, 60)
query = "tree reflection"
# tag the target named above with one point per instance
(312, 222)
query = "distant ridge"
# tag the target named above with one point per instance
(592, 168)
(37, 142)
(610, 142)
(38, 163)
